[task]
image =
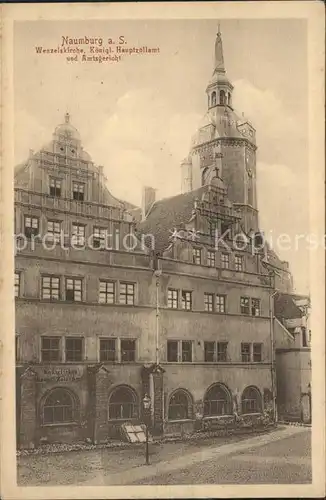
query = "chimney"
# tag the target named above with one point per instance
(148, 199)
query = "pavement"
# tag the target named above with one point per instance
(281, 455)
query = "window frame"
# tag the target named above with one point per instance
(50, 338)
(50, 277)
(127, 284)
(82, 349)
(55, 236)
(34, 231)
(106, 292)
(173, 301)
(99, 238)
(187, 415)
(238, 263)
(180, 350)
(225, 260)
(209, 302)
(245, 353)
(255, 307)
(186, 300)
(101, 351)
(73, 408)
(74, 279)
(220, 303)
(197, 256)
(78, 194)
(211, 258)
(211, 351)
(260, 353)
(134, 350)
(56, 192)
(78, 238)
(245, 306)
(223, 353)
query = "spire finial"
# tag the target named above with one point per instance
(218, 28)
(67, 117)
(219, 59)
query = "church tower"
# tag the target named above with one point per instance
(224, 146)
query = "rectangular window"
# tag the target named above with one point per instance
(17, 285)
(55, 187)
(54, 231)
(50, 287)
(74, 289)
(99, 237)
(31, 226)
(107, 350)
(50, 349)
(245, 305)
(78, 191)
(127, 293)
(238, 263)
(222, 348)
(245, 353)
(257, 353)
(225, 261)
(74, 348)
(211, 258)
(220, 303)
(107, 292)
(209, 302)
(128, 350)
(213, 229)
(255, 307)
(197, 256)
(186, 351)
(173, 298)
(78, 235)
(186, 298)
(172, 346)
(209, 352)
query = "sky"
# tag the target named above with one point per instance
(136, 117)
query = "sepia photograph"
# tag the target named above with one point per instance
(162, 281)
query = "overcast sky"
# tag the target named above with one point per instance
(136, 117)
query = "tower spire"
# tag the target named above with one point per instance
(219, 59)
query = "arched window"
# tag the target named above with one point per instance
(180, 406)
(229, 99)
(251, 400)
(123, 404)
(222, 97)
(204, 176)
(59, 407)
(213, 102)
(217, 401)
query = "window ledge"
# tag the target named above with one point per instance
(184, 420)
(61, 424)
(217, 417)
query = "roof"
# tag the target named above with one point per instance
(169, 214)
(285, 307)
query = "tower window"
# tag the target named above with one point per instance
(213, 99)
(222, 97)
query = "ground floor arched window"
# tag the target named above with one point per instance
(123, 404)
(217, 401)
(180, 406)
(251, 400)
(59, 407)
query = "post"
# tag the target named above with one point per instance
(147, 451)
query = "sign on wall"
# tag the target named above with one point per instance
(60, 374)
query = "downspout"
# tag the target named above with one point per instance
(271, 306)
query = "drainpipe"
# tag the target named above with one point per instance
(271, 307)
(157, 274)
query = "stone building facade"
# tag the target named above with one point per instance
(115, 302)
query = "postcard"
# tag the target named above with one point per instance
(162, 231)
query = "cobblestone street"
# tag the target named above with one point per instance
(282, 453)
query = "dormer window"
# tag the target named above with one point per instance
(78, 191)
(55, 187)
